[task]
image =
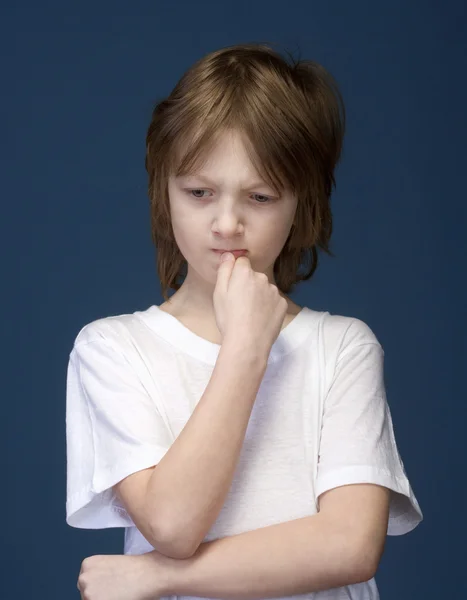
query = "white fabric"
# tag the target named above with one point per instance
(320, 420)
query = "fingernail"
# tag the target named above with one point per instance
(226, 256)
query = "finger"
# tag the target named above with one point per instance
(224, 272)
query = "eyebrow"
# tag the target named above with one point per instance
(206, 180)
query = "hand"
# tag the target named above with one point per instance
(122, 577)
(246, 306)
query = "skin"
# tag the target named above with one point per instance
(120, 577)
(231, 208)
(227, 212)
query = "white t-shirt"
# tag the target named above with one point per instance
(320, 420)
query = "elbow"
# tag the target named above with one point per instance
(361, 573)
(363, 565)
(356, 560)
(171, 544)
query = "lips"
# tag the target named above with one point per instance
(236, 253)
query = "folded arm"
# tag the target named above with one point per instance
(340, 545)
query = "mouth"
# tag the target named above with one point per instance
(236, 253)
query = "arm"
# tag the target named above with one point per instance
(187, 489)
(341, 545)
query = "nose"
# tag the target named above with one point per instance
(229, 221)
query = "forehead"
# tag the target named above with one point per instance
(230, 152)
(226, 146)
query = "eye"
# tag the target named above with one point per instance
(199, 193)
(265, 200)
(197, 190)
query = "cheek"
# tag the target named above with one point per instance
(186, 236)
(275, 233)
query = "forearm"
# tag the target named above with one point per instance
(188, 488)
(297, 557)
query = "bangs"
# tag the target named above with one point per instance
(270, 151)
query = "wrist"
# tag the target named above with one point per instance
(245, 352)
(169, 576)
(161, 574)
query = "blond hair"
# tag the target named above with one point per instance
(291, 116)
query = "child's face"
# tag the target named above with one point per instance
(230, 211)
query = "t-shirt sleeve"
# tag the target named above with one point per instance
(113, 429)
(357, 436)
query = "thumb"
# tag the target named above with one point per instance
(224, 272)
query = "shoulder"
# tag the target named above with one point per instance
(342, 332)
(113, 330)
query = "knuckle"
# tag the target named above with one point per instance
(87, 562)
(273, 288)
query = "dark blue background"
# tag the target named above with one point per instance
(79, 81)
